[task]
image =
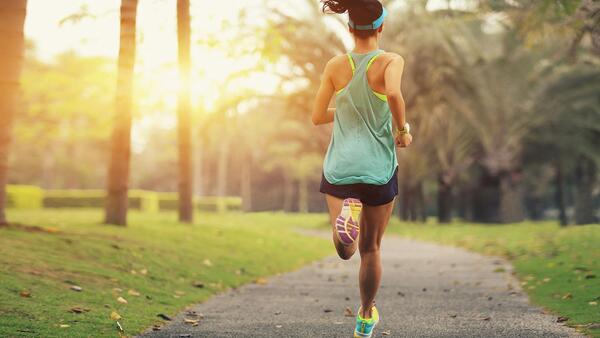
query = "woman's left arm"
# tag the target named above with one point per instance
(321, 114)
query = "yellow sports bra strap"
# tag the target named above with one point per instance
(351, 62)
(371, 61)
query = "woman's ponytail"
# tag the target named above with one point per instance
(340, 6)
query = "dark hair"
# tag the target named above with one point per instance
(361, 12)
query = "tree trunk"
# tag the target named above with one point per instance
(199, 168)
(246, 184)
(222, 167)
(485, 199)
(560, 195)
(303, 194)
(444, 199)
(118, 170)
(511, 199)
(288, 191)
(183, 113)
(585, 180)
(12, 40)
(405, 202)
(421, 206)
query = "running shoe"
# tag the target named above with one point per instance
(346, 224)
(364, 327)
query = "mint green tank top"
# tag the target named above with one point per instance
(362, 148)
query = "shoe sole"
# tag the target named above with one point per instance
(346, 224)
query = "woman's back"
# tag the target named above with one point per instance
(362, 148)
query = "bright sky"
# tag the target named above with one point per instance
(157, 40)
(157, 44)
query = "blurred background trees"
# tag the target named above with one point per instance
(502, 97)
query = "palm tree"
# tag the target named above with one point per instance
(118, 170)
(12, 40)
(183, 113)
(569, 136)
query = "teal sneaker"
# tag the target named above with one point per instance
(364, 327)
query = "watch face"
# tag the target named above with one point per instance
(407, 127)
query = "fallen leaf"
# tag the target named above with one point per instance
(117, 290)
(134, 293)
(64, 325)
(156, 327)
(207, 262)
(386, 333)
(278, 326)
(486, 318)
(348, 312)
(567, 296)
(190, 321)
(144, 271)
(562, 319)
(76, 288)
(133, 272)
(25, 294)
(594, 303)
(163, 316)
(115, 316)
(198, 284)
(261, 281)
(185, 335)
(453, 315)
(179, 293)
(401, 294)
(500, 270)
(277, 313)
(77, 309)
(122, 300)
(51, 230)
(327, 310)
(424, 290)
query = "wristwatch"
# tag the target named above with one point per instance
(405, 130)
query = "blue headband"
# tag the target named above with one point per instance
(375, 25)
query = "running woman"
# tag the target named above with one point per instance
(360, 168)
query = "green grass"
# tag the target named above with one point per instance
(155, 256)
(559, 267)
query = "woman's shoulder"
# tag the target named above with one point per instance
(337, 60)
(387, 57)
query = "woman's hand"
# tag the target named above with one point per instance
(403, 140)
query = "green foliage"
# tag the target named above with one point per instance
(24, 196)
(559, 267)
(76, 198)
(169, 201)
(155, 256)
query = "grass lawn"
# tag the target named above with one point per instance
(559, 267)
(156, 264)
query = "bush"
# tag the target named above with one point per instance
(220, 204)
(24, 196)
(72, 198)
(170, 201)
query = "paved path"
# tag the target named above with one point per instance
(427, 291)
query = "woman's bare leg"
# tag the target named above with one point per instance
(373, 223)
(335, 206)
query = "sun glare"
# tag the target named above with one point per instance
(94, 31)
